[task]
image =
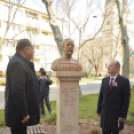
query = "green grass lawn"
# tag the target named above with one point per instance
(87, 108)
(82, 80)
(3, 82)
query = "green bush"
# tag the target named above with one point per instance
(86, 74)
(131, 112)
(2, 118)
(51, 119)
(100, 74)
(129, 121)
(95, 131)
(92, 75)
(132, 89)
(54, 80)
(2, 82)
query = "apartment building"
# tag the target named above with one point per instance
(31, 24)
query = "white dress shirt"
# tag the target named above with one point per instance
(114, 78)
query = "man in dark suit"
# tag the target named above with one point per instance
(113, 100)
(22, 90)
(44, 83)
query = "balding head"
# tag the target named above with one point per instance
(117, 65)
(113, 67)
(67, 40)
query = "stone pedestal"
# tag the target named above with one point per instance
(67, 101)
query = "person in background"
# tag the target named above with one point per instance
(44, 82)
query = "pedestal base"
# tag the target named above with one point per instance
(67, 101)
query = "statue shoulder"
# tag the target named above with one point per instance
(55, 64)
(78, 63)
(74, 60)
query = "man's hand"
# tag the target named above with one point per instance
(99, 115)
(26, 119)
(45, 77)
(40, 77)
(121, 119)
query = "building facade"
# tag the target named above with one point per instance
(30, 24)
(110, 39)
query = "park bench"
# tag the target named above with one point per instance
(38, 129)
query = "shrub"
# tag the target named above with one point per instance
(95, 131)
(92, 75)
(51, 119)
(54, 80)
(129, 121)
(132, 89)
(100, 74)
(86, 74)
(2, 118)
(132, 112)
(2, 82)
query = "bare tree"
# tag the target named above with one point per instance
(81, 22)
(93, 51)
(67, 6)
(10, 19)
(124, 36)
(54, 26)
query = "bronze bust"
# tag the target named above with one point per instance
(67, 63)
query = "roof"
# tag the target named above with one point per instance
(34, 6)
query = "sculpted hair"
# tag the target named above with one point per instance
(22, 43)
(66, 40)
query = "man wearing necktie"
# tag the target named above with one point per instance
(113, 100)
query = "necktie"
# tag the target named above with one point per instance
(111, 83)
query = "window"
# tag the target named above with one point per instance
(36, 46)
(44, 21)
(19, 13)
(5, 10)
(18, 28)
(10, 43)
(28, 34)
(36, 60)
(106, 65)
(15, 28)
(0, 57)
(4, 25)
(45, 34)
(31, 18)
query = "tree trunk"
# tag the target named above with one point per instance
(80, 93)
(124, 38)
(54, 26)
(79, 44)
(96, 73)
(90, 71)
(56, 31)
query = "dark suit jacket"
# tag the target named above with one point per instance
(22, 93)
(47, 83)
(113, 103)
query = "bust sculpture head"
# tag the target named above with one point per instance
(67, 63)
(68, 48)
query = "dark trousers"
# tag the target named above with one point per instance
(46, 98)
(105, 132)
(19, 130)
